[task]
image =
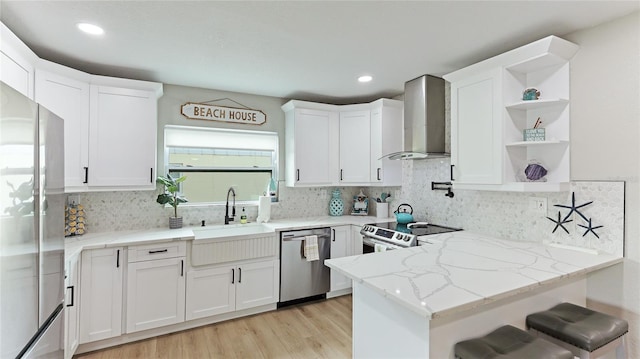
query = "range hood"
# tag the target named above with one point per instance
(424, 124)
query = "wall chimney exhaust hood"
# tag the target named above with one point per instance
(424, 124)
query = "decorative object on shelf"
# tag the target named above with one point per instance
(172, 197)
(336, 204)
(559, 223)
(360, 205)
(535, 172)
(530, 94)
(535, 133)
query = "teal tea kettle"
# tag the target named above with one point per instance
(402, 216)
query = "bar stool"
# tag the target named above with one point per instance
(587, 333)
(508, 342)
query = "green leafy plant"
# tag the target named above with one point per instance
(170, 195)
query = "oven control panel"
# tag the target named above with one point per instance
(395, 237)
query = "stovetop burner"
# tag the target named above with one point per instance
(415, 228)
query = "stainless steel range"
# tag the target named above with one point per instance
(385, 236)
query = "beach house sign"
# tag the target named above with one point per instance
(199, 111)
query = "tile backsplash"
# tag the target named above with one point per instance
(501, 214)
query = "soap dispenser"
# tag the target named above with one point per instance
(243, 217)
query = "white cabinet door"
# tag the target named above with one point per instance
(155, 293)
(340, 247)
(210, 292)
(122, 137)
(355, 142)
(309, 152)
(69, 99)
(386, 138)
(356, 240)
(101, 294)
(17, 63)
(257, 284)
(476, 129)
(71, 317)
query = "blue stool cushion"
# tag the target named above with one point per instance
(578, 326)
(509, 342)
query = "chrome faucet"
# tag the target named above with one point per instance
(227, 219)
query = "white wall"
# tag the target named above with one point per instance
(605, 145)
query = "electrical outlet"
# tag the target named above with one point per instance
(538, 205)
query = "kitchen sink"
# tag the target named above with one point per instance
(231, 230)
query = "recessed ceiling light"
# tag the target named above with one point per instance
(365, 78)
(90, 28)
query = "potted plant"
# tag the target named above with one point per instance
(171, 196)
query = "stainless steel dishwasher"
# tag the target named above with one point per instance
(301, 279)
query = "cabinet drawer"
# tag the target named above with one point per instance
(156, 251)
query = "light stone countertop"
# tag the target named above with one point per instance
(464, 270)
(74, 245)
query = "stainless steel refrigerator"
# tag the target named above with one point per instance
(31, 229)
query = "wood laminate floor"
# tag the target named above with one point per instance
(313, 330)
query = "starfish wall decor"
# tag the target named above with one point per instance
(573, 208)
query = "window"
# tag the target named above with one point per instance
(215, 159)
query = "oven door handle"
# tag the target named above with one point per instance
(372, 243)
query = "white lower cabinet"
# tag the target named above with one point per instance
(155, 285)
(101, 294)
(155, 293)
(356, 240)
(340, 247)
(71, 310)
(227, 288)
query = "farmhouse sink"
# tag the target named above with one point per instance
(231, 230)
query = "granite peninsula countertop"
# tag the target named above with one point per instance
(74, 245)
(463, 270)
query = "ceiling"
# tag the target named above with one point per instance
(307, 50)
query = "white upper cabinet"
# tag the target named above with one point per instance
(386, 138)
(59, 90)
(311, 145)
(489, 117)
(355, 142)
(476, 133)
(329, 145)
(17, 63)
(110, 127)
(122, 137)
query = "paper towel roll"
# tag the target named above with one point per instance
(264, 209)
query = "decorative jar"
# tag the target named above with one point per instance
(336, 204)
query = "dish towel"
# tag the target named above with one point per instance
(311, 248)
(380, 247)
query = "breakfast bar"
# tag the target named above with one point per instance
(418, 302)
